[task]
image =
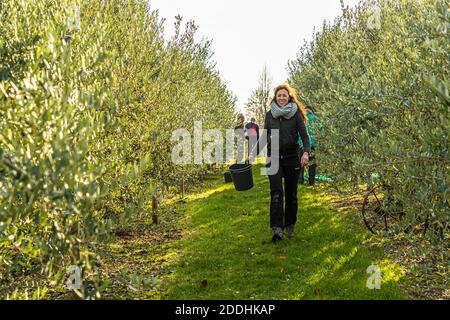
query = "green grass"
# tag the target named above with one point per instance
(227, 253)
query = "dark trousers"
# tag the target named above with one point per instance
(311, 171)
(281, 216)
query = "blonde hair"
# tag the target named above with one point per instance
(292, 98)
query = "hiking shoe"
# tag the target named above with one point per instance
(277, 234)
(290, 231)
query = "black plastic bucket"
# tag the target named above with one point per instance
(242, 176)
(227, 177)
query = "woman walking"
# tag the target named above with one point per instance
(288, 116)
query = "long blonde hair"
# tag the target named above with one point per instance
(292, 98)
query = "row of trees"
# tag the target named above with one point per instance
(86, 117)
(379, 77)
(259, 100)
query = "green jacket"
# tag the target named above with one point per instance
(312, 125)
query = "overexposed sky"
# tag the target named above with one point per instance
(247, 34)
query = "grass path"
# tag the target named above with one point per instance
(216, 244)
(227, 253)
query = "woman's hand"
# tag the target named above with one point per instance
(304, 160)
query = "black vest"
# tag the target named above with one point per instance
(288, 135)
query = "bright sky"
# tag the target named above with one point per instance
(246, 34)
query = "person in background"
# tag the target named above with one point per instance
(240, 122)
(252, 135)
(239, 131)
(312, 124)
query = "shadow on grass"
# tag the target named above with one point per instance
(229, 254)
